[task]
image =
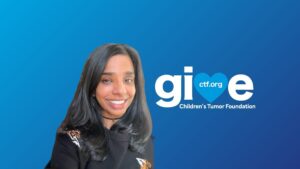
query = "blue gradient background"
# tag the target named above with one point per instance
(45, 44)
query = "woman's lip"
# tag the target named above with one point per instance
(117, 101)
(117, 104)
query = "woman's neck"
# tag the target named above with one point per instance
(107, 123)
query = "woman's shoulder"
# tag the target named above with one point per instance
(69, 138)
(65, 152)
(146, 159)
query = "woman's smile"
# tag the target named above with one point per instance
(117, 104)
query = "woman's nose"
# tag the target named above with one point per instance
(119, 88)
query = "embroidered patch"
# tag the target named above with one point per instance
(74, 135)
(144, 163)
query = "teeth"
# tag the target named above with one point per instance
(117, 101)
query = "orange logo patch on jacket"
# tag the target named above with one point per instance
(144, 163)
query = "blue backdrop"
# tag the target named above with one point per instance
(44, 45)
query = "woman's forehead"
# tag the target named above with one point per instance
(119, 63)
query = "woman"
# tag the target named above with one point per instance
(108, 124)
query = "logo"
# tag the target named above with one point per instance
(210, 87)
(240, 88)
(144, 164)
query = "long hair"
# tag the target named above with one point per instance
(84, 113)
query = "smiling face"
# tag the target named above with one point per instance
(116, 88)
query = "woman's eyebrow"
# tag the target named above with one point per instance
(107, 73)
(111, 73)
(129, 73)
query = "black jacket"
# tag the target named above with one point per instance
(67, 155)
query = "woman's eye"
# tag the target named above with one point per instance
(106, 81)
(129, 81)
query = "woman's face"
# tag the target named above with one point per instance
(116, 88)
